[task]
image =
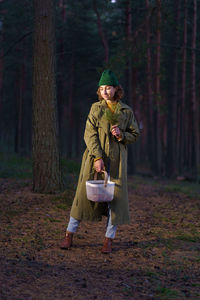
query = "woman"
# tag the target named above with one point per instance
(106, 149)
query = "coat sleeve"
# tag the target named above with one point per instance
(91, 136)
(132, 131)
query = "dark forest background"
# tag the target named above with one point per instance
(153, 46)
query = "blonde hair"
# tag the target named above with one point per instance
(119, 93)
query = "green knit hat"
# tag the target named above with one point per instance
(108, 78)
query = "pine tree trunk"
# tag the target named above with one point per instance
(128, 16)
(20, 107)
(128, 42)
(18, 121)
(62, 84)
(46, 164)
(70, 109)
(195, 106)
(181, 109)
(101, 33)
(78, 125)
(1, 86)
(157, 133)
(149, 91)
(1, 73)
(20, 89)
(172, 105)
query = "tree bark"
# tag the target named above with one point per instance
(78, 125)
(101, 33)
(46, 163)
(181, 130)
(172, 105)
(62, 85)
(195, 106)
(1, 76)
(149, 90)
(70, 109)
(20, 85)
(128, 17)
(157, 136)
(1, 85)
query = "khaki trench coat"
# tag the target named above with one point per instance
(100, 143)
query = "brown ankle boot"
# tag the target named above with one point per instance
(107, 246)
(67, 242)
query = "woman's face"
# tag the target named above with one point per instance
(107, 92)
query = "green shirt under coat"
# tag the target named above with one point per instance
(100, 143)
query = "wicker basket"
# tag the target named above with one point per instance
(100, 190)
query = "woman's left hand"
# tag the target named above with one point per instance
(115, 131)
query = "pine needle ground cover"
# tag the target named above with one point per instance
(157, 256)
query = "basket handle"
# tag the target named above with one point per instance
(105, 177)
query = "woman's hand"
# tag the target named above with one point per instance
(115, 131)
(99, 165)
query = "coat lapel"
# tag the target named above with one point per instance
(102, 120)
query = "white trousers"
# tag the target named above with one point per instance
(110, 229)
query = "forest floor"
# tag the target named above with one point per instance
(157, 256)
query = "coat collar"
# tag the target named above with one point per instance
(122, 105)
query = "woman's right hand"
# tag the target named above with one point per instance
(99, 165)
